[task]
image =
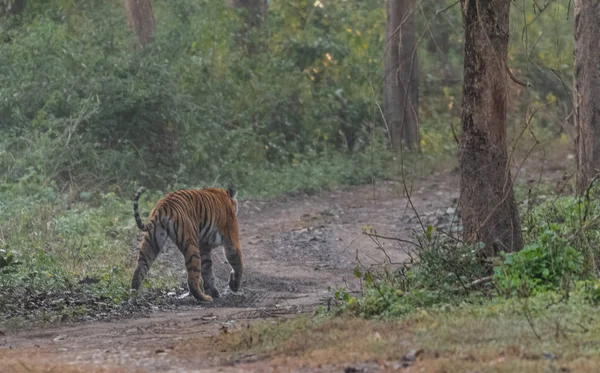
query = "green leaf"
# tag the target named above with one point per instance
(346, 297)
(368, 278)
(357, 272)
(546, 272)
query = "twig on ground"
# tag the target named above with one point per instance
(481, 280)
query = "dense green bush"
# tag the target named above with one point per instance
(551, 263)
(79, 105)
(88, 109)
(563, 247)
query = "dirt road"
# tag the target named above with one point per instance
(294, 248)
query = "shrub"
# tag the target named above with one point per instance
(442, 275)
(550, 263)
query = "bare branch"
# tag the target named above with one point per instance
(517, 80)
(391, 238)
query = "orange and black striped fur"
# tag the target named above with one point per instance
(197, 221)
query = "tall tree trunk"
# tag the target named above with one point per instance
(255, 16)
(586, 90)
(141, 20)
(487, 202)
(401, 91)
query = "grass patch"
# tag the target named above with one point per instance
(531, 335)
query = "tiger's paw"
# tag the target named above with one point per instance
(205, 298)
(234, 282)
(213, 292)
(200, 296)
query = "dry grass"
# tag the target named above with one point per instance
(44, 360)
(32, 365)
(482, 339)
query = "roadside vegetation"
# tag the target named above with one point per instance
(86, 118)
(535, 311)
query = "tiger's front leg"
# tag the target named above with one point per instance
(193, 266)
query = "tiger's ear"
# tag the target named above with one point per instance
(231, 191)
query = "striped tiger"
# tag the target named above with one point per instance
(197, 221)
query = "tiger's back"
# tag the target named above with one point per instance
(197, 221)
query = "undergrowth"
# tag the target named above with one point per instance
(560, 256)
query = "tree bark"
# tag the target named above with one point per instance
(488, 207)
(255, 17)
(401, 91)
(141, 20)
(586, 91)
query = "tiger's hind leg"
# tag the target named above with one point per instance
(194, 270)
(150, 247)
(207, 272)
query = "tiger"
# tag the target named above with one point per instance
(197, 221)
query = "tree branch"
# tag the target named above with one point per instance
(516, 80)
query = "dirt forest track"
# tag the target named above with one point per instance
(294, 248)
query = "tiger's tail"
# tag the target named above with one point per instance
(136, 213)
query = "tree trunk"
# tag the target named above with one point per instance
(586, 90)
(401, 91)
(255, 16)
(488, 207)
(141, 20)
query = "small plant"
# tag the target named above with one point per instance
(591, 291)
(550, 263)
(8, 263)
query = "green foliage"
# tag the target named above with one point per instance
(590, 290)
(560, 256)
(194, 107)
(89, 109)
(7, 262)
(52, 242)
(572, 219)
(562, 247)
(440, 277)
(550, 263)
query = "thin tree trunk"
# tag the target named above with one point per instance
(401, 91)
(488, 207)
(141, 20)
(586, 90)
(391, 93)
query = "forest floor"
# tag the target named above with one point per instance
(295, 248)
